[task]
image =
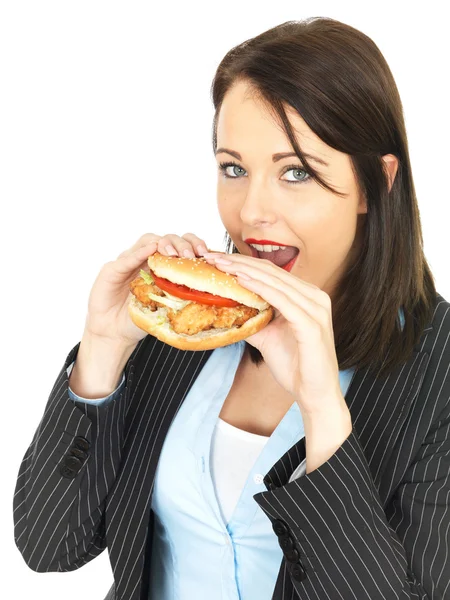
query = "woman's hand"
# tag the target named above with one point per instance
(298, 344)
(108, 318)
(298, 347)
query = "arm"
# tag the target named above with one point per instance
(323, 436)
(352, 546)
(66, 473)
(105, 400)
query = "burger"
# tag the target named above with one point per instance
(191, 305)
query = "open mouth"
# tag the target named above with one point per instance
(284, 257)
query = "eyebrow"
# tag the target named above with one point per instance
(275, 157)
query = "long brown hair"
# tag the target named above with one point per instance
(338, 81)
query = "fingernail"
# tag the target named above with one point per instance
(243, 276)
(188, 253)
(170, 250)
(223, 261)
(211, 254)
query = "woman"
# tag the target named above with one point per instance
(312, 460)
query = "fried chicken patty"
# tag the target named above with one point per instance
(194, 317)
(140, 289)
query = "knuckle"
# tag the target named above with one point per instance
(194, 240)
(147, 236)
(168, 237)
(163, 241)
(185, 244)
(325, 299)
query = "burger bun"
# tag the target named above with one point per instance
(197, 274)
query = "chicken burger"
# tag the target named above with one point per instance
(192, 305)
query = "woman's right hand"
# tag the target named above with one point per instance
(108, 318)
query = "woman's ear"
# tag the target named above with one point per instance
(391, 166)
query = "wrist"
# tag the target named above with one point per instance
(334, 419)
(116, 344)
(332, 405)
(324, 434)
(98, 366)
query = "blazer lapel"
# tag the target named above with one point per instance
(379, 407)
(165, 378)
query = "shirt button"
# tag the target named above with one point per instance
(258, 478)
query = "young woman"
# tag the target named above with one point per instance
(311, 460)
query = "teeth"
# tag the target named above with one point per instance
(267, 248)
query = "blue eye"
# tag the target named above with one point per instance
(296, 169)
(223, 166)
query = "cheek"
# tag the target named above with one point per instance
(328, 233)
(223, 212)
(228, 210)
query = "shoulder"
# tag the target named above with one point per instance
(436, 337)
(441, 315)
(436, 345)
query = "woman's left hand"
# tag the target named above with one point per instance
(298, 344)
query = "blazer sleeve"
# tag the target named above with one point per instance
(353, 548)
(65, 476)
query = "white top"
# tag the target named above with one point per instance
(233, 454)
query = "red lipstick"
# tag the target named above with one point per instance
(263, 242)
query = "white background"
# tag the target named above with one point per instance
(105, 134)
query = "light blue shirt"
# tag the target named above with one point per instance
(195, 554)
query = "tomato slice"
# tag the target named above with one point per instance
(187, 293)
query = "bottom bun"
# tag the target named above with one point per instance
(156, 323)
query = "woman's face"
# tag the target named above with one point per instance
(265, 200)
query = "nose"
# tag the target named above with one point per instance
(258, 206)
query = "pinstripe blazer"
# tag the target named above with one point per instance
(370, 523)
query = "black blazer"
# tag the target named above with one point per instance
(372, 522)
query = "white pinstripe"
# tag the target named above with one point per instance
(394, 505)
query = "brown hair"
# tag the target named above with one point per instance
(338, 81)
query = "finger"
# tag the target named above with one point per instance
(296, 307)
(144, 240)
(197, 243)
(240, 261)
(168, 245)
(174, 245)
(131, 262)
(317, 304)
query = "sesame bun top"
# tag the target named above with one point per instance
(199, 275)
